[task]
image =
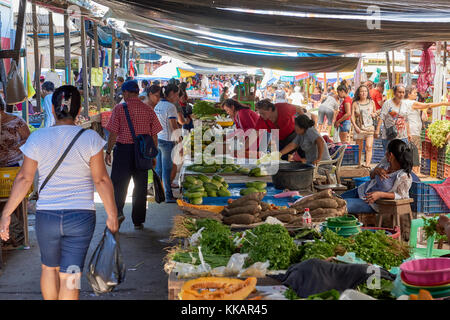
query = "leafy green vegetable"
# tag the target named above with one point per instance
(327, 295)
(205, 108)
(214, 260)
(372, 247)
(430, 228)
(291, 294)
(384, 293)
(270, 242)
(216, 238)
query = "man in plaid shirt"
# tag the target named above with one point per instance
(144, 121)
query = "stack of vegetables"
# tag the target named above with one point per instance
(197, 187)
(204, 109)
(322, 205)
(438, 131)
(250, 209)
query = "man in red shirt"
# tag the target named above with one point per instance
(377, 95)
(279, 116)
(144, 121)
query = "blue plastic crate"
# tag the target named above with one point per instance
(426, 199)
(351, 156)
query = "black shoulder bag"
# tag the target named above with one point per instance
(144, 146)
(60, 161)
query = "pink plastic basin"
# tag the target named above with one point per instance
(426, 272)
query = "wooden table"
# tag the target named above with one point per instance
(22, 214)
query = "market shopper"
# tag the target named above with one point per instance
(311, 142)
(144, 121)
(65, 216)
(118, 96)
(47, 93)
(243, 116)
(316, 97)
(328, 108)
(376, 94)
(14, 132)
(281, 117)
(363, 115)
(343, 117)
(166, 112)
(391, 179)
(188, 123)
(279, 96)
(296, 97)
(224, 95)
(153, 95)
(394, 116)
(415, 115)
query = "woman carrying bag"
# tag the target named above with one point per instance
(70, 163)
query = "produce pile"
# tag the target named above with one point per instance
(206, 109)
(218, 168)
(438, 131)
(372, 247)
(250, 209)
(197, 187)
(217, 288)
(322, 205)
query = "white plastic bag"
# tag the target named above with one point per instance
(195, 238)
(235, 264)
(258, 270)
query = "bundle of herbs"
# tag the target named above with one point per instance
(372, 247)
(270, 242)
(216, 238)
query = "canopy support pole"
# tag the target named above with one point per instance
(96, 65)
(37, 68)
(84, 61)
(393, 68)
(113, 66)
(67, 58)
(389, 77)
(52, 41)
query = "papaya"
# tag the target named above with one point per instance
(196, 189)
(217, 288)
(196, 200)
(225, 185)
(247, 191)
(211, 186)
(245, 171)
(212, 193)
(203, 178)
(255, 172)
(217, 184)
(208, 170)
(227, 170)
(219, 178)
(260, 184)
(205, 194)
(187, 185)
(192, 195)
(250, 185)
(223, 193)
(190, 179)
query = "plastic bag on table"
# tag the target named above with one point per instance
(235, 264)
(185, 270)
(195, 238)
(106, 266)
(258, 270)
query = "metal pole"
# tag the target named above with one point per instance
(85, 74)
(37, 69)
(67, 49)
(393, 68)
(113, 66)
(52, 41)
(96, 65)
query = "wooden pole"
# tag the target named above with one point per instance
(96, 65)
(37, 69)
(85, 74)
(393, 68)
(67, 49)
(19, 30)
(113, 67)
(89, 63)
(389, 78)
(127, 63)
(52, 41)
(122, 60)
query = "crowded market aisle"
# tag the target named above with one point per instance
(143, 253)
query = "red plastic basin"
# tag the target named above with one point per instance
(426, 272)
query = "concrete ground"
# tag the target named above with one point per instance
(143, 252)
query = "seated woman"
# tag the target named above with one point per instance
(391, 179)
(310, 142)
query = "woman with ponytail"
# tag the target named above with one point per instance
(310, 143)
(391, 179)
(65, 210)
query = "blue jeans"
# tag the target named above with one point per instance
(355, 204)
(64, 237)
(164, 165)
(386, 143)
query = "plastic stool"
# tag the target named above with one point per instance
(429, 251)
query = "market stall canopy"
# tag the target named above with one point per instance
(342, 26)
(44, 43)
(173, 70)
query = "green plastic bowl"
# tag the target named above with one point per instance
(344, 221)
(344, 231)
